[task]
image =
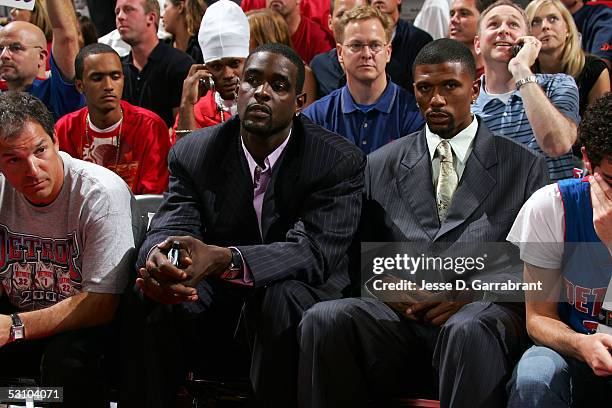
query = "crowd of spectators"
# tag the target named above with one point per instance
(282, 134)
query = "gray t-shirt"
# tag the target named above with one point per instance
(82, 242)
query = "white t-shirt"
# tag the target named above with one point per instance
(82, 242)
(540, 221)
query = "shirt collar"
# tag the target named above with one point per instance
(269, 161)
(460, 143)
(155, 55)
(486, 97)
(383, 104)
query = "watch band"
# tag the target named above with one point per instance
(17, 328)
(526, 80)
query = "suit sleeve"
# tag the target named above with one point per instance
(179, 212)
(318, 242)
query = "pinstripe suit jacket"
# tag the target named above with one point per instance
(310, 210)
(500, 175)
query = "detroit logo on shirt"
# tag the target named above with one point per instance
(37, 272)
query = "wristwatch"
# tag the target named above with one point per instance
(17, 328)
(236, 261)
(526, 80)
(234, 270)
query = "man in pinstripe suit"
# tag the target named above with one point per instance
(266, 206)
(378, 352)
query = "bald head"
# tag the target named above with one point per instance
(26, 58)
(28, 33)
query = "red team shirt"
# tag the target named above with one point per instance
(142, 161)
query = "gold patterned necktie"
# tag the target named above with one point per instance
(447, 179)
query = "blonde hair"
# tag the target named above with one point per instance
(268, 26)
(572, 58)
(40, 18)
(360, 13)
(193, 15)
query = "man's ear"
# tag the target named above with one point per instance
(151, 18)
(475, 89)
(42, 57)
(477, 44)
(586, 160)
(79, 86)
(300, 101)
(339, 52)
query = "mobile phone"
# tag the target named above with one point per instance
(173, 254)
(208, 82)
(515, 49)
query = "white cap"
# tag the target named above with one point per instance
(224, 32)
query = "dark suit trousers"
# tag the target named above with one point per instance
(356, 350)
(206, 337)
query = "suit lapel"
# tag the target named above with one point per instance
(476, 182)
(415, 186)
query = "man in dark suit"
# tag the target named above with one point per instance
(264, 207)
(418, 191)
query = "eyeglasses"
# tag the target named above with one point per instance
(17, 48)
(375, 47)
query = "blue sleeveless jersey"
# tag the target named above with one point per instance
(586, 265)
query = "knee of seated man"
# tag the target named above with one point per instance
(333, 316)
(466, 324)
(541, 368)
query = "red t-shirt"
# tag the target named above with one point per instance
(309, 40)
(142, 159)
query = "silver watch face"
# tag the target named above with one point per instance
(18, 332)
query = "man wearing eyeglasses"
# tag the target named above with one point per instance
(23, 53)
(369, 110)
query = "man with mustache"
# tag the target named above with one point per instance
(541, 110)
(264, 207)
(23, 56)
(129, 140)
(449, 183)
(209, 91)
(369, 110)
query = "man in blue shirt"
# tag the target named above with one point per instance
(369, 110)
(23, 55)
(540, 111)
